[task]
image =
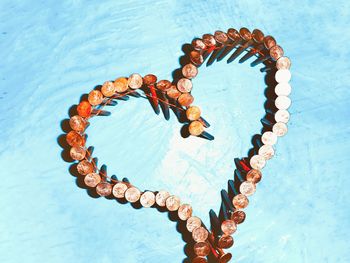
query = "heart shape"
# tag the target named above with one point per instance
(208, 243)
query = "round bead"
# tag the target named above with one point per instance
(199, 260)
(196, 128)
(225, 241)
(75, 139)
(164, 85)
(172, 203)
(280, 129)
(200, 234)
(228, 227)
(283, 76)
(185, 99)
(161, 197)
(184, 85)
(283, 63)
(276, 52)
(220, 37)
(85, 167)
(266, 151)
(135, 81)
(240, 201)
(84, 109)
(108, 89)
(254, 176)
(147, 199)
(201, 249)
(247, 188)
(119, 190)
(196, 57)
(132, 194)
(104, 189)
(282, 102)
(192, 223)
(198, 44)
(173, 92)
(209, 40)
(189, 71)
(257, 162)
(193, 113)
(184, 212)
(149, 79)
(269, 138)
(283, 89)
(92, 179)
(77, 123)
(77, 153)
(95, 97)
(238, 216)
(121, 85)
(282, 116)
(224, 258)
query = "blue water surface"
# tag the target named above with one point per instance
(51, 52)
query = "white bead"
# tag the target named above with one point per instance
(257, 162)
(283, 102)
(283, 89)
(269, 138)
(282, 116)
(267, 151)
(283, 76)
(280, 129)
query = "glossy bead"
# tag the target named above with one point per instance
(228, 227)
(172, 203)
(189, 71)
(85, 167)
(193, 113)
(149, 79)
(225, 241)
(282, 102)
(147, 199)
(276, 52)
(282, 116)
(283, 63)
(173, 92)
(84, 109)
(132, 194)
(119, 190)
(266, 151)
(184, 212)
(184, 85)
(269, 138)
(280, 129)
(108, 89)
(164, 85)
(283, 76)
(238, 216)
(95, 97)
(192, 223)
(257, 162)
(121, 85)
(196, 128)
(196, 57)
(77, 123)
(283, 89)
(161, 197)
(240, 201)
(77, 153)
(185, 99)
(74, 139)
(200, 234)
(247, 188)
(104, 189)
(201, 249)
(92, 179)
(135, 81)
(254, 176)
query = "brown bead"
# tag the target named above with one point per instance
(104, 189)
(200, 234)
(85, 167)
(233, 34)
(74, 139)
(184, 85)
(196, 57)
(77, 153)
(84, 109)
(172, 203)
(185, 99)
(254, 176)
(199, 260)
(228, 227)
(220, 37)
(77, 123)
(121, 85)
(173, 92)
(209, 40)
(193, 113)
(258, 36)
(108, 89)
(119, 190)
(276, 52)
(196, 128)
(240, 201)
(92, 179)
(238, 216)
(225, 241)
(149, 79)
(224, 258)
(184, 212)
(201, 249)
(245, 34)
(198, 44)
(269, 42)
(135, 81)
(95, 97)
(189, 71)
(192, 223)
(164, 85)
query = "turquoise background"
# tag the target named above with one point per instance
(51, 52)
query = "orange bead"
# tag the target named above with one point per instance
(121, 85)
(77, 123)
(108, 89)
(74, 139)
(84, 109)
(95, 97)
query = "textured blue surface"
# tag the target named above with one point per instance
(51, 52)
